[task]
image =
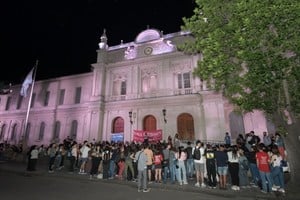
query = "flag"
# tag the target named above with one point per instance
(28, 80)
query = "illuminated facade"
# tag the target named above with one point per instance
(142, 85)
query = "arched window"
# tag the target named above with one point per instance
(118, 125)
(74, 126)
(236, 122)
(56, 130)
(13, 132)
(42, 131)
(185, 127)
(2, 132)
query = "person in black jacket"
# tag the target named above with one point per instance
(190, 170)
(211, 166)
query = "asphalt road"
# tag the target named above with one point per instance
(17, 183)
(34, 187)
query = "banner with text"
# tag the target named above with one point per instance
(152, 136)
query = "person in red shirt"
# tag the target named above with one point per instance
(263, 164)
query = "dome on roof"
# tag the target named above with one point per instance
(148, 35)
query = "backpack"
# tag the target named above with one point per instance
(244, 165)
(197, 154)
(283, 163)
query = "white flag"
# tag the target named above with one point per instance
(28, 80)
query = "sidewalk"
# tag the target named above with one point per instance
(18, 167)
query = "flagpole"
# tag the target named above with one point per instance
(29, 102)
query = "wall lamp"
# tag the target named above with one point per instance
(164, 111)
(130, 117)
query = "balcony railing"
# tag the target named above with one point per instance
(158, 93)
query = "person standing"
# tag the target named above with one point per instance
(141, 160)
(84, 154)
(211, 166)
(146, 138)
(96, 159)
(190, 169)
(233, 167)
(277, 171)
(149, 153)
(181, 170)
(280, 144)
(32, 158)
(121, 162)
(166, 161)
(243, 169)
(176, 141)
(251, 156)
(73, 157)
(266, 139)
(129, 157)
(222, 165)
(158, 158)
(106, 160)
(172, 165)
(263, 164)
(198, 158)
(52, 150)
(227, 139)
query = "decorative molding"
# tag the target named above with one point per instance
(180, 66)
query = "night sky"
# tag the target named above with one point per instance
(64, 34)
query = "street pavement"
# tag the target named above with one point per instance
(19, 167)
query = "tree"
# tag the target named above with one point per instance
(251, 54)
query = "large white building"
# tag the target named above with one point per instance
(142, 86)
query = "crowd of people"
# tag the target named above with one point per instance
(246, 162)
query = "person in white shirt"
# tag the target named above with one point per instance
(84, 153)
(233, 167)
(33, 155)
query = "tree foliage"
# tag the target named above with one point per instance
(250, 51)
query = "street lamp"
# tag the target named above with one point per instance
(164, 111)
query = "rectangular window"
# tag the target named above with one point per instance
(8, 103)
(20, 100)
(179, 78)
(78, 95)
(186, 80)
(123, 88)
(61, 97)
(47, 96)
